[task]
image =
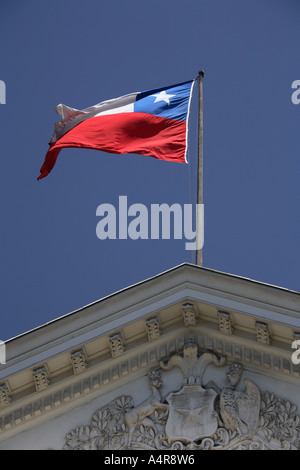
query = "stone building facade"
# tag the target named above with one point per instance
(192, 358)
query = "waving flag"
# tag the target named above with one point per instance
(152, 123)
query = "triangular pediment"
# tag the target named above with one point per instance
(105, 351)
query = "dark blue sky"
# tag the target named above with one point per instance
(80, 53)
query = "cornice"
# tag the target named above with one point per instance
(106, 344)
(160, 285)
(58, 338)
(131, 350)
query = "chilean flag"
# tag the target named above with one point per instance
(152, 123)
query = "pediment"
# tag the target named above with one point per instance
(105, 346)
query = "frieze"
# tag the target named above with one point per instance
(199, 416)
(14, 414)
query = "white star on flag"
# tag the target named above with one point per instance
(163, 96)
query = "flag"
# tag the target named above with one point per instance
(152, 123)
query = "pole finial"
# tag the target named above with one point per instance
(201, 73)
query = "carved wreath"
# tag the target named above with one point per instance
(278, 427)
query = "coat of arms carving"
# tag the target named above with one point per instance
(191, 414)
(191, 409)
(198, 416)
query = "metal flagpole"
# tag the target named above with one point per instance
(199, 254)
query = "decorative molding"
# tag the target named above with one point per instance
(153, 328)
(191, 364)
(23, 411)
(197, 416)
(191, 298)
(225, 323)
(41, 378)
(78, 359)
(189, 314)
(262, 333)
(5, 395)
(116, 344)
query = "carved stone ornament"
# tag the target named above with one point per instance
(5, 396)
(116, 344)
(189, 314)
(153, 328)
(198, 416)
(225, 323)
(262, 333)
(78, 359)
(41, 378)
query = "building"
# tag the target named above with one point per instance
(192, 358)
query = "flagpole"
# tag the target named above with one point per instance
(199, 254)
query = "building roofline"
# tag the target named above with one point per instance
(145, 281)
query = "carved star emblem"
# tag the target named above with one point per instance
(191, 415)
(163, 96)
